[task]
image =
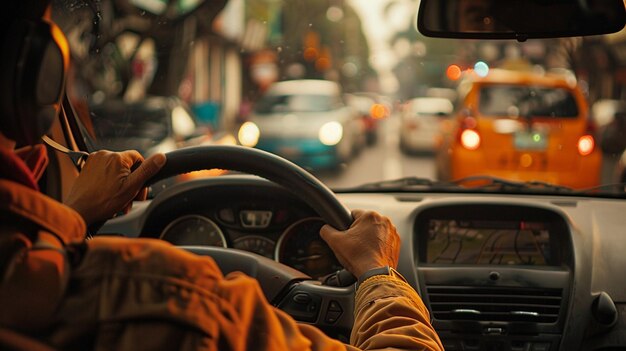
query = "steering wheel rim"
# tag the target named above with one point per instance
(262, 164)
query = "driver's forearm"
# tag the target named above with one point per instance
(390, 314)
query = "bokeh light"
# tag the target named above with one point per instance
(453, 72)
(481, 69)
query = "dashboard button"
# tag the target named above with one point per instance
(335, 307)
(302, 306)
(302, 298)
(334, 312)
(332, 316)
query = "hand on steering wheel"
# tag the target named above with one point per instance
(371, 242)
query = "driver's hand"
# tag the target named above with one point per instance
(371, 242)
(107, 185)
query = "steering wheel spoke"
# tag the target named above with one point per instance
(294, 292)
(274, 277)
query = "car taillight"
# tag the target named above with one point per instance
(470, 139)
(586, 144)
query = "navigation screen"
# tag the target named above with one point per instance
(488, 242)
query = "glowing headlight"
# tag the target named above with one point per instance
(331, 133)
(249, 134)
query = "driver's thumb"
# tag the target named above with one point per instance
(146, 170)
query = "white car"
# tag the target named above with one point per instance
(305, 121)
(421, 123)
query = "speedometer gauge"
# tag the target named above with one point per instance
(194, 230)
(302, 248)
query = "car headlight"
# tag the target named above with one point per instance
(249, 134)
(331, 133)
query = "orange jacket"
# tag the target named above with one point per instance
(143, 294)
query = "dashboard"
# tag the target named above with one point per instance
(497, 272)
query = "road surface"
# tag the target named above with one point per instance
(382, 161)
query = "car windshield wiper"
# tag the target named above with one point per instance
(616, 189)
(485, 182)
(479, 183)
(403, 184)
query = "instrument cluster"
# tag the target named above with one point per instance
(286, 234)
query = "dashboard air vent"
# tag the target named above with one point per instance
(506, 304)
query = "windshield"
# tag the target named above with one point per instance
(504, 100)
(129, 122)
(546, 111)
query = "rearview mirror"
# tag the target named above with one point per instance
(519, 19)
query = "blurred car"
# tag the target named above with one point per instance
(305, 121)
(523, 126)
(421, 123)
(366, 107)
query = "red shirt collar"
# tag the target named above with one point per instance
(24, 166)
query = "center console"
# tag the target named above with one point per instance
(495, 277)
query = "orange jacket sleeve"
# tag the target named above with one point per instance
(390, 314)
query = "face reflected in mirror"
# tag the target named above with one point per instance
(475, 15)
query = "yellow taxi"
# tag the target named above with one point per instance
(523, 126)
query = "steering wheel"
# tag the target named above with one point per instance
(329, 304)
